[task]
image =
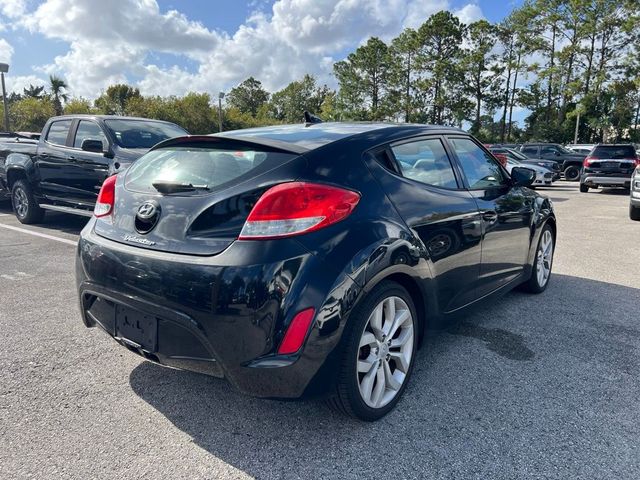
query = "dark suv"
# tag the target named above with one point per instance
(609, 166)
(570, 162)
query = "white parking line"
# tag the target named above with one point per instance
(38, 234)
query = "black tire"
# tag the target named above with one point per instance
(584, 188)
(533, 285)
(24, 203)
(346, 397)
(571, 173)
(634, 212)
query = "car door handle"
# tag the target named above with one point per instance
(490, 216)
(72, 158)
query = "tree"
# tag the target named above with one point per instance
(476, 63)
(403, 75)
(115, 99)
(58, 93)
(248, 96)
(33, 91)
(440, 38)
(364, 79)
(77, 106)
(289, 104)
(30, 114)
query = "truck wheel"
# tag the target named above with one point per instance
(584, 188)
(572, 173)
(25, 206)
(634, 212)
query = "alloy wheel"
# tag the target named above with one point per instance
(20, 202)
(385, 352)
(545, 258)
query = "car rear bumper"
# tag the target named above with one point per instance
(222, 315)
(595, 180)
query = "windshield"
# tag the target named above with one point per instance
(142, 133)
(517, 154)
(203, 168)
(616, 152)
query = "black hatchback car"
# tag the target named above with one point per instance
(308, 260)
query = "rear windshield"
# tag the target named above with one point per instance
(141, 133)
(614, 151)
(204, 168)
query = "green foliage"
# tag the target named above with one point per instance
(288, 104)
(30, 114)
(77, 106)
(114, 100)
(248, 97)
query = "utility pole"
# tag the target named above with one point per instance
(220, 97)
(575, 135)
(4, 68)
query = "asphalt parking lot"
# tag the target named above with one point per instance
(529, 387)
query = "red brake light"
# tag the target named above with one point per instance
(296, 332)
(587, 161)
(106, 197)
(638, 161)
(297, 207)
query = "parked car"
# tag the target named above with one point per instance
(65, 168)
(526, 161)
(609, 166)
(570, 162)
(544, 177)
(581, 148)
(634, 199)
(308, 260)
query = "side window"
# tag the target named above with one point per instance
(548, 150)
(88, 131)
(425, 161)
(58, 132)
(529, 150)
(480, 168)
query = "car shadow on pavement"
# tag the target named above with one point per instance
(542, 385)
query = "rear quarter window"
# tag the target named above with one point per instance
(199, 166)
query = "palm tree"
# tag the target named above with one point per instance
(57, 86)
(33, 92)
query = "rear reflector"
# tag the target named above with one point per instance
(297, 207)
(297, 332)
(106, 197)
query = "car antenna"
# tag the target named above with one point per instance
(310, 119)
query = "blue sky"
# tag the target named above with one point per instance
(174, 46)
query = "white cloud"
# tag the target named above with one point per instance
(16, 84)
(469, 13)
(6, 51)
(111, 41)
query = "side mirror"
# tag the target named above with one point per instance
(92, 145)
(522, 176)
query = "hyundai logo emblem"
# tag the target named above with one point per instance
(147, 211)
(147, 216)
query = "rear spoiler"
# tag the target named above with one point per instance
(233, 142)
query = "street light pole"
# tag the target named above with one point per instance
(4, 68)
(575, 135)
(220, 97)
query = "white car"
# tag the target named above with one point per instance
(544, 176)
(583, 148)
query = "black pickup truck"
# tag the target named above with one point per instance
(65, 168)
(570, 162)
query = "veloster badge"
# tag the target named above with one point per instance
(142, 241)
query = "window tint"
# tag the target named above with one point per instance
(549, 150)
(88, 131)
(529, 150)
(58, 132)
(198, 166)
(480, 168)
(617, 152)
(142, 133)
(425, 161)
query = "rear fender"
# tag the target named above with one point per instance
(20, 165)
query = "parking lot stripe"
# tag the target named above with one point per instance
(38, 234)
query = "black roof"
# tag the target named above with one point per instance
(309, 137)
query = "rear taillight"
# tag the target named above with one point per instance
(587, 161)
(297, 332)
(297, 207)
(106, 197)
(637, 162)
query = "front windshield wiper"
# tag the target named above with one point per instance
(177, 187)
